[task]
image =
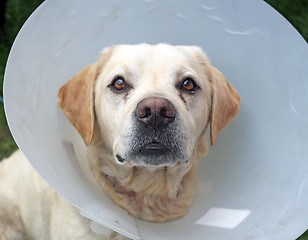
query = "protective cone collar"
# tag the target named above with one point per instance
(252, 185)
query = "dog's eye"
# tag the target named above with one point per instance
(189, 85)
(119, 84)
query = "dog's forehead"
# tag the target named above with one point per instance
(151, 55)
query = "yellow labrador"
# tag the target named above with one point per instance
(143, 111)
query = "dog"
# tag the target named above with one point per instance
(143, 111)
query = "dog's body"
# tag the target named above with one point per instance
(143, 112)
(30, 209)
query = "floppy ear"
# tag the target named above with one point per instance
(225, 104)
(76, 99)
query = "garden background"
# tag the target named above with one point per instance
(13, 13)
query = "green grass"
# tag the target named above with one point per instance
(296, 11)
(7, 143)
(17, 11)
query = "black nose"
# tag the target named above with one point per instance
(155, 111)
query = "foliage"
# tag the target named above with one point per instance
(296, 11)
(17, 11)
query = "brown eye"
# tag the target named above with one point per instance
(189, 85)
(119, 84)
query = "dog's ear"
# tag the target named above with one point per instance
(76, 97)
(76, 101)
(225, 98)
(225, 104)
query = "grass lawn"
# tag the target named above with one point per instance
(17, 11)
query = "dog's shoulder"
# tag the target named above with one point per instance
(13, 168)
(24, 194)
(16, 173)
(29, 206)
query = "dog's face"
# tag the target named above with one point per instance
(144, 111)
(152, 103)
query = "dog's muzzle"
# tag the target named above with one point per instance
(157, 137)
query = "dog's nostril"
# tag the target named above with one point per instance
(147, 112)
(163, 112)
(168, 113)
(155, 111)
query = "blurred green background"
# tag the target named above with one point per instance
(13, 13)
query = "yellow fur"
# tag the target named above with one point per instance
(30, 209)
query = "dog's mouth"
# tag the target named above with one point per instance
(152, 149)
(154, 153)
(120, 159)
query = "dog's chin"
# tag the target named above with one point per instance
(154, 155)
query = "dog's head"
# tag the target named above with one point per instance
(152, 103)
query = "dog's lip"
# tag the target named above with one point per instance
(154, 146)
(120, 159)
(147, 149)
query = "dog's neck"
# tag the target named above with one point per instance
(154, 194)
(152, 202)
